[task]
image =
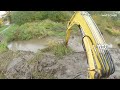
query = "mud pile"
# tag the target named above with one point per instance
(28, 65)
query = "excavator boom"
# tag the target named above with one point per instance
(99, 59)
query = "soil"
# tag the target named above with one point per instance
(30, 65)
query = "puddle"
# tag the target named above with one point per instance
(32, 45)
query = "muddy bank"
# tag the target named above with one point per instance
(28, 65)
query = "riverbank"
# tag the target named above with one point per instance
(29, 65)
(33, 47)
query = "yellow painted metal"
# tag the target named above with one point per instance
(89, 42)
(68, 35)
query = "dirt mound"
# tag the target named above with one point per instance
(28, 65)
(47, 66)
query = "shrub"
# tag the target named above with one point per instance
(34, 30)
(21, 17)
(58, 49)
(3, 47)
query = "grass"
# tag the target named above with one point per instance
(34, 30)
(10, 35)
(2, 28)
(58, 49)
(3, 47)
(34, 60)
(113, 32)
(22, 17)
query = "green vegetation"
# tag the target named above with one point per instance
(113, 32)
(10, 33)
(107, 24)
(2, 28)
(34, 30)
(21, 17)
(3, 47)
(37, 56)
(58, 49)
(40, 24)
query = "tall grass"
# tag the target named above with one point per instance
(34, 30)
(58, 49)
(3, 46)
(107, 24)
(2, 28)
(113, 32)
(21, 17)
(10, 34)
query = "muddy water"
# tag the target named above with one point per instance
(32, 45)
(75, 43)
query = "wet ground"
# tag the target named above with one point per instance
(29, 65)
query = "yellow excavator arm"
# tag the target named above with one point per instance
(99, 59)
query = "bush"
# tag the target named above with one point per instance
(3, 47)
(2, 28)
(113, 32)
(58, 49)
(21, 17)
(34, 30)
(10, 34)
(38, 29)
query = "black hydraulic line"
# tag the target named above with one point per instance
(113, 67)
(101, 63)
(104, 63)
(109, 62)
(108, 66)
